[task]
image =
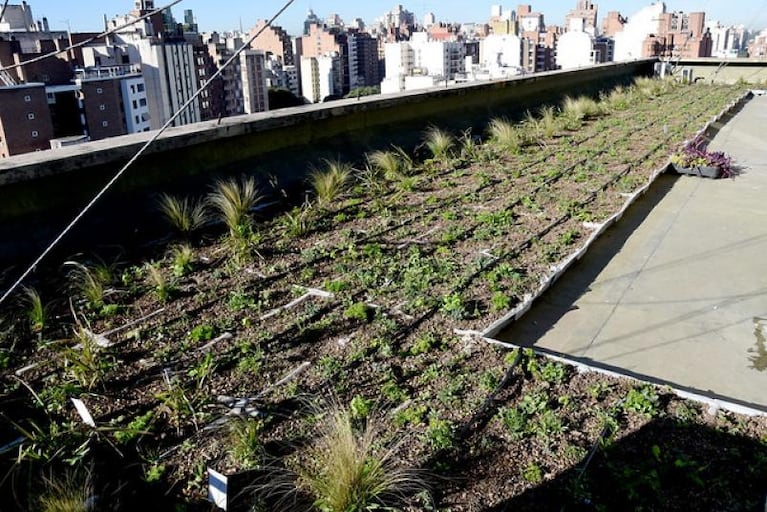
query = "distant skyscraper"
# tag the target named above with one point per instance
(311, 19)
(189, 24)
(254, 89)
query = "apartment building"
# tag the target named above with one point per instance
(25, 121)
(254, 88)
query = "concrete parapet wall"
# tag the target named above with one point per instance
(725, 71)
(283, 144)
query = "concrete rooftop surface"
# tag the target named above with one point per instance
(676, 292)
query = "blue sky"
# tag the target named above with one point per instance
(226, 14)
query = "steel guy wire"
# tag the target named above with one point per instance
(140, 152)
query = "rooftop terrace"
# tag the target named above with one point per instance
(233, 343)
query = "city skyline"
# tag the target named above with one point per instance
(751, 13)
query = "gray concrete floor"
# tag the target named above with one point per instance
(676, 292)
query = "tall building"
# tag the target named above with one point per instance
(757, 48)
(630, 42)
(613, 23)
(25, 121)
(231, 76)
(101, 104)
(254, 89)
(321, 42)
(653, 32)
(587, 12)
(680, 35)
(169, 70)
(501, 51)
(274, 40)
(364, 68)
(311, 19)
(320, 77)
(727, 41)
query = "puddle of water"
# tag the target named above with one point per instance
(759, 357)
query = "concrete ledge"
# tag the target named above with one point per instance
(310, 123)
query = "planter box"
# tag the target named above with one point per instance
(703, 171)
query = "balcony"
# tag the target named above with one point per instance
(376, 286)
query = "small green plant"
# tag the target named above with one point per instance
(358, 311)
(501, 301)
(136, 428)
(393, 392)
(182, 258)
(36, 313)
(90, 282)
(297, 221)
(439, 143)
(533, 473)
(233, 200)
(425, 343)
(330, 183)
(202, 333)
(642, 400)
(163, 288)
(548, 121)
(245, 440)
(360, 407)
(440, 433)
(489, 380)
(412, 415)
(84, 361)
(515, 421)
(154, 472)
(453, 306)
(186, 215)
(505, 135)
(553, 372)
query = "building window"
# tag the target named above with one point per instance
(133, 89)
(28, 98)
(140, 87)
(31, 116)
(137, 120)
(142, 102)
(104, 123)
(135, 105)
(35, 134)
(102, 107)
(99, 90)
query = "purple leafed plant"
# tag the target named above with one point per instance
(696, 154)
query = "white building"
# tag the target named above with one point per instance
(320, 77)
(135, 104)
(440, 60)
(727, 42)
(254, 88)
(498, 51)
(629, 42)
(575, 48)
(169, 73)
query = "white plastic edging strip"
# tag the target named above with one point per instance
(715, 403)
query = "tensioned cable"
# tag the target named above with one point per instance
(90, 39)
(2, 11)
(140, 152)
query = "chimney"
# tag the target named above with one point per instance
(46, 27)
